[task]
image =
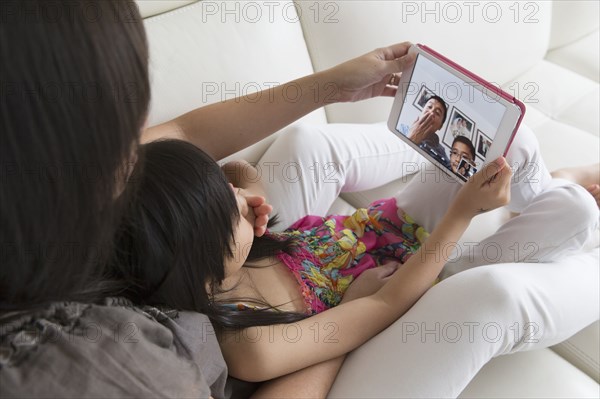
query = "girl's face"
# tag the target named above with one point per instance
(243, 233)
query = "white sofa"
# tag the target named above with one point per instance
(546, 52)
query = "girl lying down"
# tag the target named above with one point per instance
(188, 242)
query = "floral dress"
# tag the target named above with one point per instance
(330, 252)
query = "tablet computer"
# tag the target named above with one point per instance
(451, 116)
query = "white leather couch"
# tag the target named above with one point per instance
(545, 52)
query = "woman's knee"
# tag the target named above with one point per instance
(504, 305)
(524, 146)
(530, 175)
(491, 289)
(578, 208)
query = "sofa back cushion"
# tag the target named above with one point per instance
(572, 20)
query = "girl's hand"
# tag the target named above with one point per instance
(486, 190)
(242, 174)
(371, 74)
(261, 211)
(370, 281)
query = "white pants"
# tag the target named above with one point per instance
(438, 346)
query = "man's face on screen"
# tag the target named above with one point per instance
(436, 110)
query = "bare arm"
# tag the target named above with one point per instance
(312, 382)
(316, 381)
(261, 353)
(229, 126)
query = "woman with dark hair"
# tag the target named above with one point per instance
(71, 125)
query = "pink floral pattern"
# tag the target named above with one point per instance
(332, 251)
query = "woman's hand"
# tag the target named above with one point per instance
(370, 281)
(371, 74)
(486, 190)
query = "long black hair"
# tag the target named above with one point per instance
(74, 96)
(177, 233)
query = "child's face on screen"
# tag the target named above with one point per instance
(243, 233)
(459, 150)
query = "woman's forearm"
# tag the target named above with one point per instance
(226, 127)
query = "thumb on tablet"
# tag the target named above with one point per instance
(396, 65)
(494, 172)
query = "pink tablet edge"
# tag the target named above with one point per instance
(484, 83)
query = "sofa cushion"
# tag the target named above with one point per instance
(562, 110)
(533, 374)
(572, 20)
(557, 92)
(581, 56)
(582, 350)
(581, 113)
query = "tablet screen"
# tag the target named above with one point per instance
(448, 118)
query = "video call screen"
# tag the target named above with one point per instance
(458, 132)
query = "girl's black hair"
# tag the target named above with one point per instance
(73, 98)
(177, 232)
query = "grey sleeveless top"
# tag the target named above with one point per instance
(112, 350)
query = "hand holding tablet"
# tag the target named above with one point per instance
(451, 116)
